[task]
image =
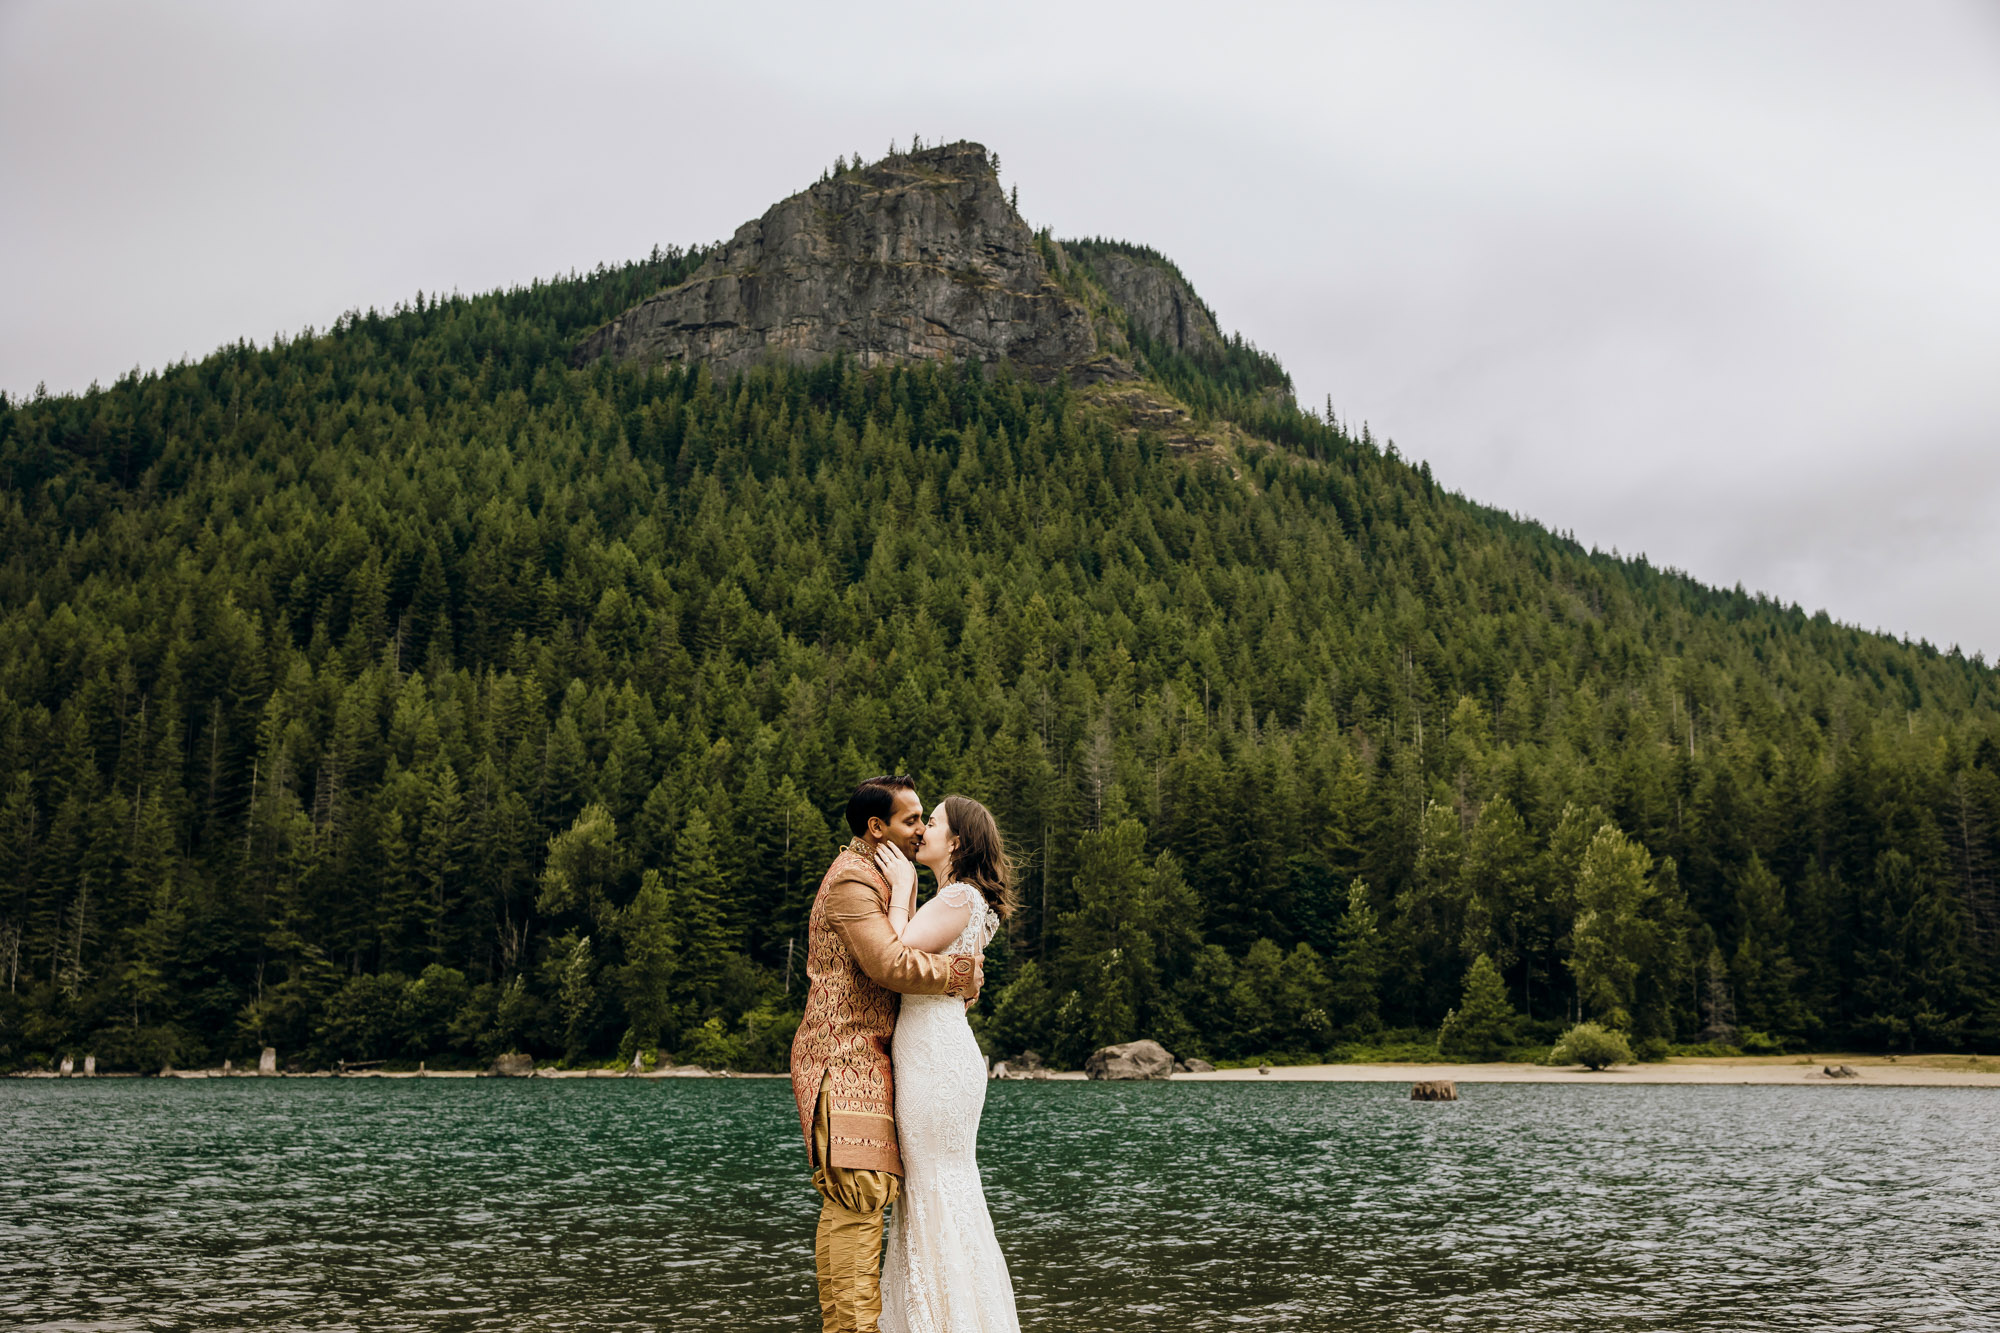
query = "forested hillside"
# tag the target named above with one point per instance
(399, 691)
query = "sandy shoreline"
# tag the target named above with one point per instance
(1918, 1071)
(1870, 1070)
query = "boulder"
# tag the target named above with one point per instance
(267, 1063)
(90, 1066)
(1434, 1090)
(67, 1067)
(1840, 1071)
(1143, 1059)
(1026, 1062)
(1195, 1066)
(513, 1065)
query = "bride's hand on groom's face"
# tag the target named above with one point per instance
(898, 869)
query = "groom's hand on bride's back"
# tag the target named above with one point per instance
(968, 977)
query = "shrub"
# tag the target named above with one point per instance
(427, 1008)
(362, 1020)
(765, 1046)
(1760, 1043)
(712, 1047)
(1022, 1012)
(1591, 1046)
(1652, 1050)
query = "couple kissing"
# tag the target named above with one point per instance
(889, 1079)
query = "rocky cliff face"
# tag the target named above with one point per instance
(917, 257)
(1161, 306)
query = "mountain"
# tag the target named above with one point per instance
(918, 257)
(488, 674)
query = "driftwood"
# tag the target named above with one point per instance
(1434, 1090)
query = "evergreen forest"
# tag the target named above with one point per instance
(401, 691)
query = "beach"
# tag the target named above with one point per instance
(1910, 1071)
(1887, 1071)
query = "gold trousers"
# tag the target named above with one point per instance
(847, 1249)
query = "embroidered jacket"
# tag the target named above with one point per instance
(855, 967)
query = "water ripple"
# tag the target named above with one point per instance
(612, 1204)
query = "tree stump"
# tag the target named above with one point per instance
(1434, 1090)
(90, 1066)
(67, 1067)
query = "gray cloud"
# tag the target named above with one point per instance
(1711, 281)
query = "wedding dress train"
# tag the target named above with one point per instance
(943, 1272)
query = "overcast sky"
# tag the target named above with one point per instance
(1716, 282)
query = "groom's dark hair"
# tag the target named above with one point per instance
(875, 799)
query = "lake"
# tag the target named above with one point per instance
(614, 1204)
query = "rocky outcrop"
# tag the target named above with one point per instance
(1160, 305)
(918, 257)
(513, 1065)
(1132, 1060)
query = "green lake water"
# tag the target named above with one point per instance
(624, 1204)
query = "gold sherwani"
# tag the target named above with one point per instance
(855, 967)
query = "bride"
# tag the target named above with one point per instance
(944, 1272)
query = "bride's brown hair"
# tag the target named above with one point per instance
(980, 858)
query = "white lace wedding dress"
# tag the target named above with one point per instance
(943, 1272)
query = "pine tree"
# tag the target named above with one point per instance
(646, 982)
(703, 935)
(1357, 966)
(1611, 933)
(1912, 972)
(1484, 1024)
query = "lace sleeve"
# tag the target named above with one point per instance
(958, 895)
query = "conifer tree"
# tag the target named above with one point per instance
(1357, 966)
(1484, 1024)
(704, 936)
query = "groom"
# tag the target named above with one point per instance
(840, 1059)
